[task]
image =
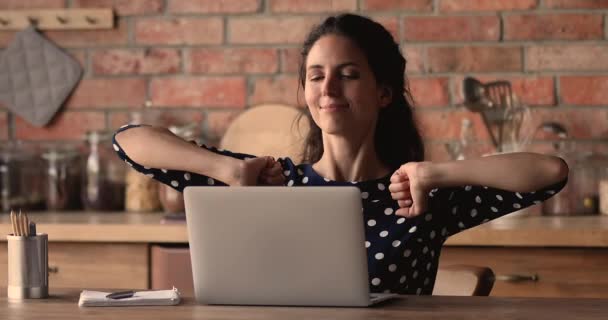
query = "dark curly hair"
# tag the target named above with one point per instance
(397, 139)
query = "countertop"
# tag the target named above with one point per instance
(63, 304)
(582, 231)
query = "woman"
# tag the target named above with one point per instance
(362, 134)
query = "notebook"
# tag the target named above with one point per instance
(90, 298)
(302, 246)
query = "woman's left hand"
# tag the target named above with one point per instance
(410, 187)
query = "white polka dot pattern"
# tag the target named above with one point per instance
(402, 252)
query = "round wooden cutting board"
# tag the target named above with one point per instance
(268, 130)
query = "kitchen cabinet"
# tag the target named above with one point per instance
(531, 256)
(538, 272)
(92, 265)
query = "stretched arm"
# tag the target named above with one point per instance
(153, 147)
(515, 172)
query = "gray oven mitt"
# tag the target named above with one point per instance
(36, 77)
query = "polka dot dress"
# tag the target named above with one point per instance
(402, 253)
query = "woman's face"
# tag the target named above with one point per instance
(340, 88)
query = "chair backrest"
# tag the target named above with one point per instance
(267, 130)
(463, 280)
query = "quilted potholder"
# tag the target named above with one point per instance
(36, 77)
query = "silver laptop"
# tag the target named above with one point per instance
(302, 246)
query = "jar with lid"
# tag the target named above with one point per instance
(172, 201)
(563, 203)
(21, 178)
(585, 185)
(63, 169)
(603, 188)
(141, 192)
(103, 186)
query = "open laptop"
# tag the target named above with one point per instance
(300, 246)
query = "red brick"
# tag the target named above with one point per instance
(581, 123)
(279, 89)
(445, 124)
(291, 56)
(430, 92)
(437, 151)
(322, 6)
(206, 6)
(270, 30)
(553, 27)
(414, 59)
(567, 57)
(80, 56)
(31, 4)
(576, 4)
(198, 92)
(486, 5)
(136, 61)
(454, 28)
(218, 122)
(123, 7)
(584, 90)
(536, 91)
(233, 60)
(401, 5)
(66, 125)
(111, 92)
(290, 59)
(119, 118)
(179, 31)
(391, 24)
(159, 117)
(474, 59)
(90, 38)
(3, 125)
(413, 55)
(6, 37)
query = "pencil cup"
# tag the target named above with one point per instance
(28, 271)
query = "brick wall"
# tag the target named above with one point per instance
(206, 60)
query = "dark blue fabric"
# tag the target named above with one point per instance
(403, 254)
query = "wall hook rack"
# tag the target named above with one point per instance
(57, 19)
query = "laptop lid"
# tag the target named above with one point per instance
(277, 245)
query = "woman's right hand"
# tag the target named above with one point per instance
(259, 171)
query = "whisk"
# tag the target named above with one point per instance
(493, 101)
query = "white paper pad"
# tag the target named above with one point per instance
(140, 298)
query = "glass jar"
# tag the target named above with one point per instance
(562, 203)
(63, 182)
(172, 201)
(103, 186)
(21, 178)
(585, 182)
(141, 193)
(603, 188)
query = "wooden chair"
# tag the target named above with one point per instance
(463, 280)
(267, 130)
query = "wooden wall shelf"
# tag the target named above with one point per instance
(57, 19)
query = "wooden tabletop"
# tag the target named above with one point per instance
(583, 231)
(64, 305)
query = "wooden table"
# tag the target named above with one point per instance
(63, 304)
